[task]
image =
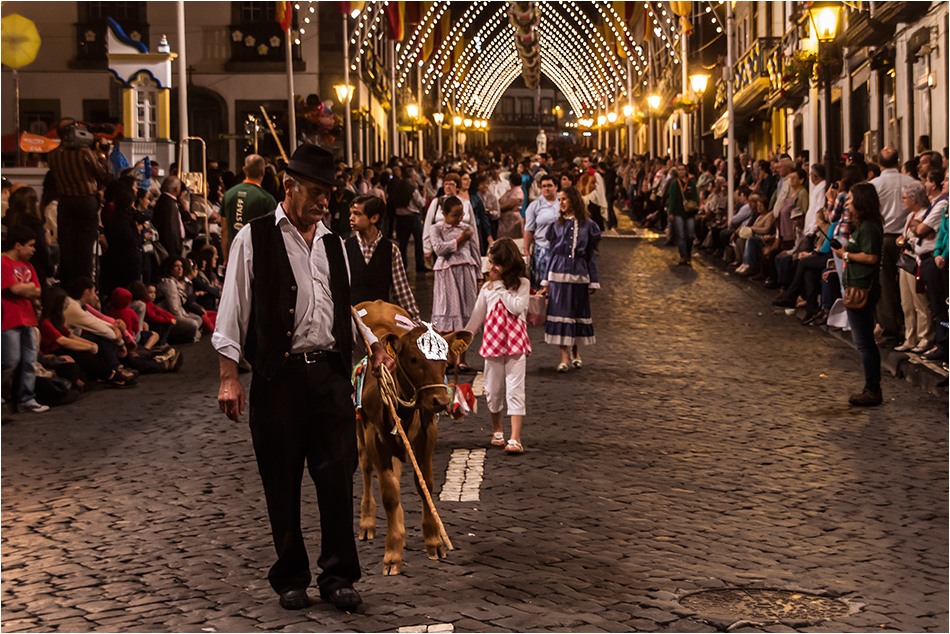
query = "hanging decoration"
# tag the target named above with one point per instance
(683, 8)
(525, 18)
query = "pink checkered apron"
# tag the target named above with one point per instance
(504, 334)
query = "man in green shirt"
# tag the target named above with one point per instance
(245, 202)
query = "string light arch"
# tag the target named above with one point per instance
(575, 55)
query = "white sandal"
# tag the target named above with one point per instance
(498, 439)
(514, 446)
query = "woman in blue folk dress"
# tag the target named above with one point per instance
(571, 278)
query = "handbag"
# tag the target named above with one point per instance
(907, 262)
(537, 310)
(855, 298)
(690, 206)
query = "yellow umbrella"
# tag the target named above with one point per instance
(19, 41)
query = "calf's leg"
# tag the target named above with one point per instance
(389, 471)
(368, 504)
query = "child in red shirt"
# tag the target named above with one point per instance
(19, 288)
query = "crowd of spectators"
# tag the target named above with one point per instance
(788, 229)
(156, 252)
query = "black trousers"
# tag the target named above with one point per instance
(410, 227)
(936, 281)
(78, 219)
(305, 414)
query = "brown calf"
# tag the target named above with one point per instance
(420, 380)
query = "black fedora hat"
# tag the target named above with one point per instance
(313, 163)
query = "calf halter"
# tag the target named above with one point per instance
(435, 348)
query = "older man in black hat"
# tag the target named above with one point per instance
(286, 309)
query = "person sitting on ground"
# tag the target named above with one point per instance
(192, 305)
(206, 282)
(151, 317)
(172, 297)
(742, 218)
(752, 242)
(57, 339)
(120, 309)
(107, 336)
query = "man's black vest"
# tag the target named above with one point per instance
(369, 282)
(274, 296)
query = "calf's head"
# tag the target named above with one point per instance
(422, 361)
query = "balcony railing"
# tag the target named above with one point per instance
(257, 42)
(749, 69)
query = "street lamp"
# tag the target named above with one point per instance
(412, 110)
(654, 102)
(601, 120)
(824, 21)
(344, 94)
(468, 123)
(699, 81)
(456, 121)
(612, 117)
(438, 117)
(628, 111)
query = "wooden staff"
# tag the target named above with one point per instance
(273, 132)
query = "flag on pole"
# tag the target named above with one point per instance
(396, 20)
(350, 7)
(285, 14)
(428, 43)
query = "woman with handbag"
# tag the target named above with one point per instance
(862, 257)
(682, 205)
(917, 239)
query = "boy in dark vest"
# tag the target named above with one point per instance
(376, 267)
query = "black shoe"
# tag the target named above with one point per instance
(934, 355)
(866, 398)
(812, 316)
(781, 302)
(344, 598)
(772, 284)
(294, 599)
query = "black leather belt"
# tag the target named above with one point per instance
(311, 356)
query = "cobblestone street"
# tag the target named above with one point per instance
(706, 443)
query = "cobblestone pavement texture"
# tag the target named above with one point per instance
(706, 443)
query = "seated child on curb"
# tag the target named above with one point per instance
(501, 307)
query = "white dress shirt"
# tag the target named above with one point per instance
(313, 312)
(889, 186)
(816, 200)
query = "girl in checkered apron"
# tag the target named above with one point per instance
(501, 308)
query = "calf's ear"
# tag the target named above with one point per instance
(390, 342)
(459, 341)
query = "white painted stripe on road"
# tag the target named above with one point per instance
(463, 476)
(435, 627)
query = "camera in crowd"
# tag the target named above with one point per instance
(84, 135)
